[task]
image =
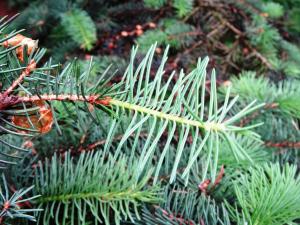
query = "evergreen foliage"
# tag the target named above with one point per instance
(93, 185)
(169, 32)
(269, 194)
(186, 207)
(247, 33)
(274, 10)
(108, 140)
(183, 7)
(283, 95)
(11, 203)
(155, 3)
(80, 27)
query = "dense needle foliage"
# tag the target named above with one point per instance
(104, 128)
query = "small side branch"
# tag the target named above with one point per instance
(30, 67)
(255, 114)
(98, 143)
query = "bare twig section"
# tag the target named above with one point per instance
(92, 99)
(248, 119)
(259, 56)
(193, 12)
(191, 33)
(234, 29)
(284, 144)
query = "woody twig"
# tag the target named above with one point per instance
(30, 67)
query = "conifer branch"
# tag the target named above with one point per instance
(107, 101)
(30, 67)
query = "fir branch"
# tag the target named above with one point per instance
(93, 99)
(282, 97)
(186, 207)
(151, 102)
(100, 184)
(107, 101)
(11, 204)
(271, 183)
(80, 27)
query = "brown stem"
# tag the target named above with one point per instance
(93, 99)
(175, 217)
(284, 144)
(234, 29)
(96, 144)
(254, 51)
(191, 33)
(255, 114)
(194, 11)
(30, 67)
(259, 56)
(196, 44)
